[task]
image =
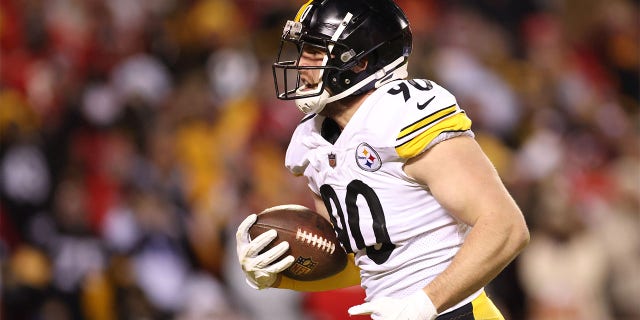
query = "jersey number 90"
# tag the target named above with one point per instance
(383, 247)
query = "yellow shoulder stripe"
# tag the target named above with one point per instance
(299, 14)
(426, 121)
(413, 147)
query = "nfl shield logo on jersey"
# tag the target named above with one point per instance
(367, 158)
(332, 159)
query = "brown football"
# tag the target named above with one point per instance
(312, 241)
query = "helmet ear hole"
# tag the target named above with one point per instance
(360, 66)
(343, 80)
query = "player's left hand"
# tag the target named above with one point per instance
(417, 306)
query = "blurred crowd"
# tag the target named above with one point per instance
(136, 135)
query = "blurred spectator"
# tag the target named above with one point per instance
(564, 270)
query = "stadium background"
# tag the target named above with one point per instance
(135, 135)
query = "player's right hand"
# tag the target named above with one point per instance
(417, 306)
(259, 268)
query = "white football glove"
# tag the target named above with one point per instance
(258, 267)
(417, 306)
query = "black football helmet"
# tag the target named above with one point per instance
(347, 31)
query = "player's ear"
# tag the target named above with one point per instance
(360, 66)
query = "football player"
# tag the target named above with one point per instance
(393, 164)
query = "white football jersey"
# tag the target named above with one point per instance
(401, 236)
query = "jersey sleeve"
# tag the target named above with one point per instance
(430, 117)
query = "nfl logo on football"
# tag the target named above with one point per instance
(302, 266)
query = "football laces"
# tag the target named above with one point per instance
(315, 241)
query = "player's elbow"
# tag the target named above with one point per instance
(519, 235)
(515, 233)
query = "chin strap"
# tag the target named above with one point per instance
(398, 70)
(313, 104)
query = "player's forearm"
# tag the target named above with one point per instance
(492, 244)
